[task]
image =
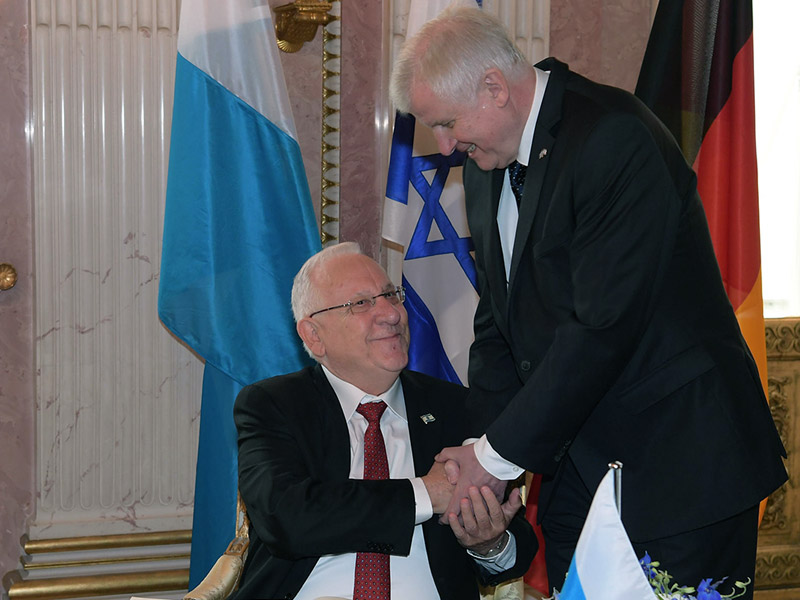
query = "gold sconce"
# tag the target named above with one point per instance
(296, 23)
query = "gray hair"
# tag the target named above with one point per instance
(451, 53)
(305, 296)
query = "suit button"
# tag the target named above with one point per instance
(525, 365)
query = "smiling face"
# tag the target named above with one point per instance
(481, 128)
(367, 349)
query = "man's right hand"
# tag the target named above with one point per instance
(439, 488)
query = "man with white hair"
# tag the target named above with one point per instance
(603, 330)
(336, 461)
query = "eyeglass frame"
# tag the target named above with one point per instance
(399, 290)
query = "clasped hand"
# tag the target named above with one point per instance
(479, 519)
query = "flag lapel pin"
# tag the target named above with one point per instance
(427, 418)
(543, 153)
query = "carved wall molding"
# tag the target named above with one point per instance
(778, 559)
(783, 338)
(775, 512)
(778, 569)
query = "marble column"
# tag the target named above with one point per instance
(17, 403)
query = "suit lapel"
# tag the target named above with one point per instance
(426, 435)
(333, 427)
(541, 147)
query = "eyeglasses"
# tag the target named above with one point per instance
(362, 305)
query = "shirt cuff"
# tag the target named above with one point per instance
(424, 508)
(499, 562)
(493, 463)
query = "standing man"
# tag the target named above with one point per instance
(333, 459)
(603, 330)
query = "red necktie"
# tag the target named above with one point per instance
(372, 568)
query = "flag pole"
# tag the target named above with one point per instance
(616, 466)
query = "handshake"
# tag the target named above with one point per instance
(469, 499)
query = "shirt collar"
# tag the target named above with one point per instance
(350, 396)
(524, 152)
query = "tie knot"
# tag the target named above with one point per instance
(516, 177)
(372, 411)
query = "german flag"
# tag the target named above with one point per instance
(697, 76)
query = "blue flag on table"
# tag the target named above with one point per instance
(424, 214)
(238, 225)
(604, 566)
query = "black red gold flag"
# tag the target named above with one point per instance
(697, 76)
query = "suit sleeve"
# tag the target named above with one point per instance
(602, 276)
(493, 379)
(295, 507)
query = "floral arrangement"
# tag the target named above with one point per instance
(666, 589)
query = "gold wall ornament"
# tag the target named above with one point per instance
(296, 23)
(8, 277)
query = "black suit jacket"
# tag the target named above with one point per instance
(614, 339)
(294, 465)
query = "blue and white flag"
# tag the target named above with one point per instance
(238, 225)
(604, 566)
(424, 214)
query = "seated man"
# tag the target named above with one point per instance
(330, 457)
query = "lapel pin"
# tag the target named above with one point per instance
(427, 418)
(543, 153)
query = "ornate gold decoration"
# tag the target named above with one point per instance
(331, 55)
(777, 570)
(779, 406)
(783, 338)
(8, 277)
(224, 576)
(296, 23)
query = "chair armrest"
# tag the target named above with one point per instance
(223, 577)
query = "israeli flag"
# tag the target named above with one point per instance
(424, 214)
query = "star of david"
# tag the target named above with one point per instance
(420, 245)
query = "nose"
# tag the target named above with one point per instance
(444, 141)
(387, 312)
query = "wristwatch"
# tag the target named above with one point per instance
(494, 550)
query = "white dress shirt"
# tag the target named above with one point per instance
(411, 578)
(507, 217)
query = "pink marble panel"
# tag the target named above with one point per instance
(303, 73)
(16, 305)
(603, 40)
(364, 122)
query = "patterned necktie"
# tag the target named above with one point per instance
(516, 177)
(372, 568)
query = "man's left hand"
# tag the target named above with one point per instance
(485, 520)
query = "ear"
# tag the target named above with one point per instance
(307, 330)
(497, 86)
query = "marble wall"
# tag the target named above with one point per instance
(17, 491)
(603, 40)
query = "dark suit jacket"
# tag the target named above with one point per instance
(615, 339)
(294, 465)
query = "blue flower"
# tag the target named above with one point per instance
(647, 565)
(708, 591)
(666, 589)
